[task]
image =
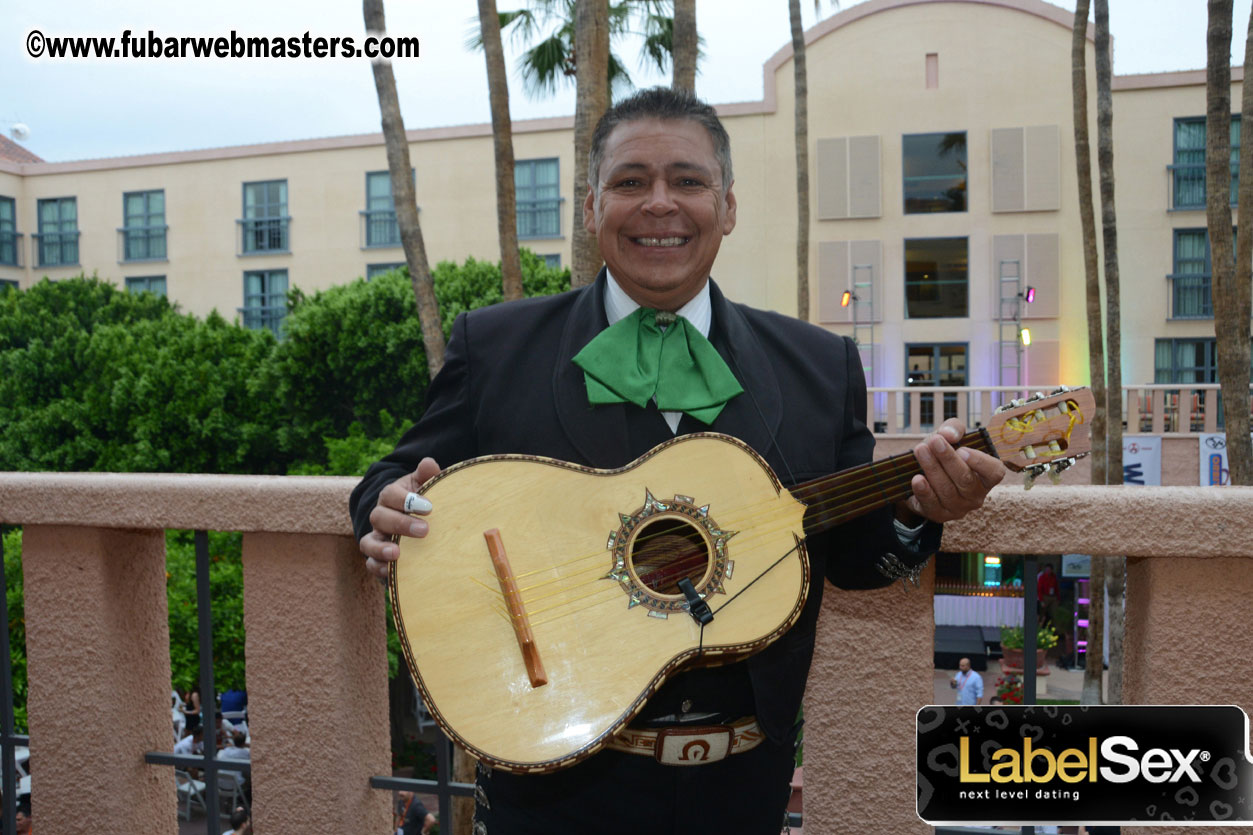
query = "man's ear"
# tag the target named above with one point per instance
(728, 222)
(589, 211)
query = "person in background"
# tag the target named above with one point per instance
(191, 708)
(967, 683)
(23, 816)
(1047, 593)
(241, 823)
(412, 818)
(193, 743)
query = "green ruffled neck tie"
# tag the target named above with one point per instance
(635, 360)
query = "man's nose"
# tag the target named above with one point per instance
(659, 200)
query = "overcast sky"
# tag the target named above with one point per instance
(79, 109)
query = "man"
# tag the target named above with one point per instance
(1047, 594)
(23, 819)
(968, 683)
(193, 743)
(412, 818)
(537, 377)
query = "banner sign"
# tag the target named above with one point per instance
(1142, 460)
(1055, 764)
(1213, 459)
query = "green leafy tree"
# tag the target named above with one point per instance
(477, 284)
(17, 622)
(92, 378)
(226, 579)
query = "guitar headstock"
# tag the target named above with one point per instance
(1047, 432)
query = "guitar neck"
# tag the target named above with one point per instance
(835, 499)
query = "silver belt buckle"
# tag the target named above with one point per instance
(693, 746)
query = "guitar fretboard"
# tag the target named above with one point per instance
(836, 499)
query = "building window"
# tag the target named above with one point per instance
(1191, 276)
(553, 260)
(929, 365)
(372, 270)
(380, 211)
(8, 232)
(1185, 361)
(934, 172)
(7, 284)
(265, 223)
(143, 226)
(537, 184)
(146, 284)
(1188, 170)
(58, 232)
(936, 278)
(265, 300)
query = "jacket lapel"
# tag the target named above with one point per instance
(753, 416)
(599, 433)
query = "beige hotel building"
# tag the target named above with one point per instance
(942, 187)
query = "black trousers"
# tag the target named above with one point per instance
(613, 793)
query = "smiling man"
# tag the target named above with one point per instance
(599, 376)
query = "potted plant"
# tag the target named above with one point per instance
(1012, 646)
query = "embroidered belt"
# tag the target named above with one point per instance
(690, 744)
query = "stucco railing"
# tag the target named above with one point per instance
(98, 642)
(1156, 409)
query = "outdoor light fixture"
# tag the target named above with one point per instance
(846, 298)
(1030, 295)
(1025, 336)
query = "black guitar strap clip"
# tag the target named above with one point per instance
(696, 606)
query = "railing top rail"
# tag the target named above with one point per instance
(279, 504)
(1045, 388)
(1070, 518)
(1109, 521)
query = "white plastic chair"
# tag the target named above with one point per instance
(189, 792)
(231, 793)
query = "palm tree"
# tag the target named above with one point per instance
(1096, 356)
(800, 83)
(584, 29)
(1236, 306)
(1115, 567)
(684, 45)
(502, 139)
(403, 197)
(591, 102)
(800, 78)
(1231, 296)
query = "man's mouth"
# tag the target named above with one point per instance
(671, 241)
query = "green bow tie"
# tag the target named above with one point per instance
(635, 360)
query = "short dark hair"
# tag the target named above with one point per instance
(660, 103)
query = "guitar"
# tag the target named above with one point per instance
(537, 624)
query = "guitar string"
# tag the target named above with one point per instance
(881, 476)
(850, 509)
(754, 532)
(841, 492)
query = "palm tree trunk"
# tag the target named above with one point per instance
(502, 138)
(591, 47)
(1231, 297)
(801, 83)
(402, 195)
(1239, 456)
(1115, 567)
(684, 45)
(1096, 365)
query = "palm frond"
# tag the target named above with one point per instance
(546, 66)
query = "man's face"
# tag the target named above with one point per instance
(964, 665)
(659, 211)
(23, 822)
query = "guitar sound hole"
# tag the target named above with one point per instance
(667, 550)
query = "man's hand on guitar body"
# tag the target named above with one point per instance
(953, 481)
(389, 518)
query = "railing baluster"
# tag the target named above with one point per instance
(208, 695)
(8, 778)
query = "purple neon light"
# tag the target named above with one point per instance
(1083, 622)
(1083, 600)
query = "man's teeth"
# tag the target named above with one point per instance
(661, 241)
